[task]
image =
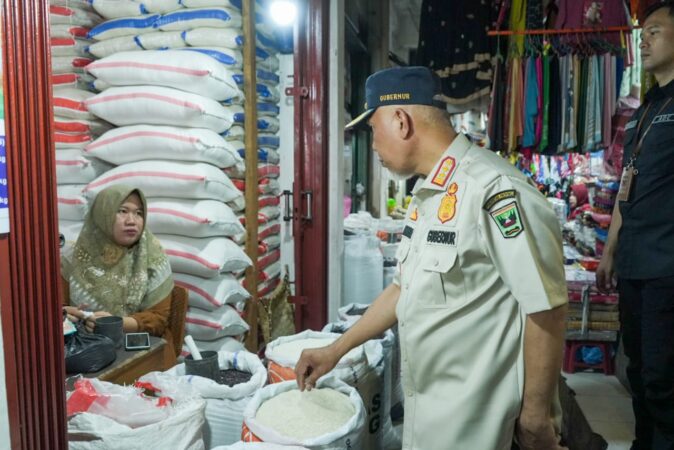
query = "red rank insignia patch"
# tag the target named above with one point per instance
(444, 171)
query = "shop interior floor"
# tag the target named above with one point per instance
(606, 405)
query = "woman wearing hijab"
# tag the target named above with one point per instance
(117, 267)
(578, 200)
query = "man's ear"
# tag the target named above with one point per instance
(403, 122)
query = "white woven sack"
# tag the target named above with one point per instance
(214, 37)
(210, 294)
(64, 141)
(227, 343)
(69, 47)
(187, 19)
(225, 404)
(70, 229)
(205, 257)
(154, 105)
(188, 71)
(179, 179)
(348, 436)
(210, 325)
(108, 47)
(257, 446)
(181, 430)
(127, 26)
(228, 56)
(69, 64)
(140, 142)
(161, 40)
(72, 205)
(70, 103)
(192, 218)
(81, 4)
(264, 124)
(72, 167)
(91, 127)
(210, 3)
(67, 31)
(67, 15)
(115, 9)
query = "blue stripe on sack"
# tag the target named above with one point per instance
(239, 41)
(262, 154)
(236, 3)
(269, 141)
(238, 79)
(143, 10)
(239, 118)
(145, 22)
(263, 124)
(266, 41)
(183, 36)
(262, 54)
(268, 107)
(136, 39)
(184, 16)
(268, 76)
(224, 58)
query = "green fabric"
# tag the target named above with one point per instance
(546, 103)
(582, 105)
(104, 276)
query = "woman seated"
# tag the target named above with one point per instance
(117, 267)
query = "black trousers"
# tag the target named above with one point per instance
(647, 322)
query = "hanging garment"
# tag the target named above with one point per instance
(453, 42)
(555, 113)
(531, 104)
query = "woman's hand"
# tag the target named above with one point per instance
(73, 314)
(90, 322)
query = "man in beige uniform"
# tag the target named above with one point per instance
(480, 293)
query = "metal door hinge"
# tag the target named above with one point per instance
(300, 91)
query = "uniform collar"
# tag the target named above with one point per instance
(444, 169)
(658, 93)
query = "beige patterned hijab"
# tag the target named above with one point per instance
(105, 276)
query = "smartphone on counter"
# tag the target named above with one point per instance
(137, 341)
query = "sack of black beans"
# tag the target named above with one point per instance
(329, 417)
(241, 376)
(376, 388)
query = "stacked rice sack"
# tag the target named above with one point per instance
(74, 125)
(177, 109)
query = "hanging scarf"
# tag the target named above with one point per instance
(106, 276)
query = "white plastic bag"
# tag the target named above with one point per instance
(363, 269)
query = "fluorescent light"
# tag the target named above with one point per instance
(283, 12)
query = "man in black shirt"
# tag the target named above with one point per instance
(640, 247)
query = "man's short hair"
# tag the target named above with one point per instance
(669, 4)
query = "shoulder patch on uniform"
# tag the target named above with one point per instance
(508, 220)
(494, 199)
(408, 231)
(444, 171)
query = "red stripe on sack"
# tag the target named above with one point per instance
(140, 134)
(79, 31)
(160, 67)
(61, 102)
(201, 292)
(161, 98)
(172, 212)
(62, 42)
(71, 127)
(71, 201)
(271, 258)
(268, 200)
(71, 138)
(61, 10)
(145, 173)
(270, 230)
(81, 62)
(203, 322)
(64, 78)
(60, 162)
(196, 258)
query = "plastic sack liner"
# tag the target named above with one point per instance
(128, 26)
(212, 293)
(210, 325)
(225, 404)
(86, 352)
(188, 71)
(182, 428)
(154, 105)
(187, 19)
(192, 218)
(205, 257)
(348, 436)
(183, 180)
(73, 167)
(141, 142)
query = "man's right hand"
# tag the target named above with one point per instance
(605, 274)
(313, 364)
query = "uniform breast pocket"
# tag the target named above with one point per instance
(441, 283)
